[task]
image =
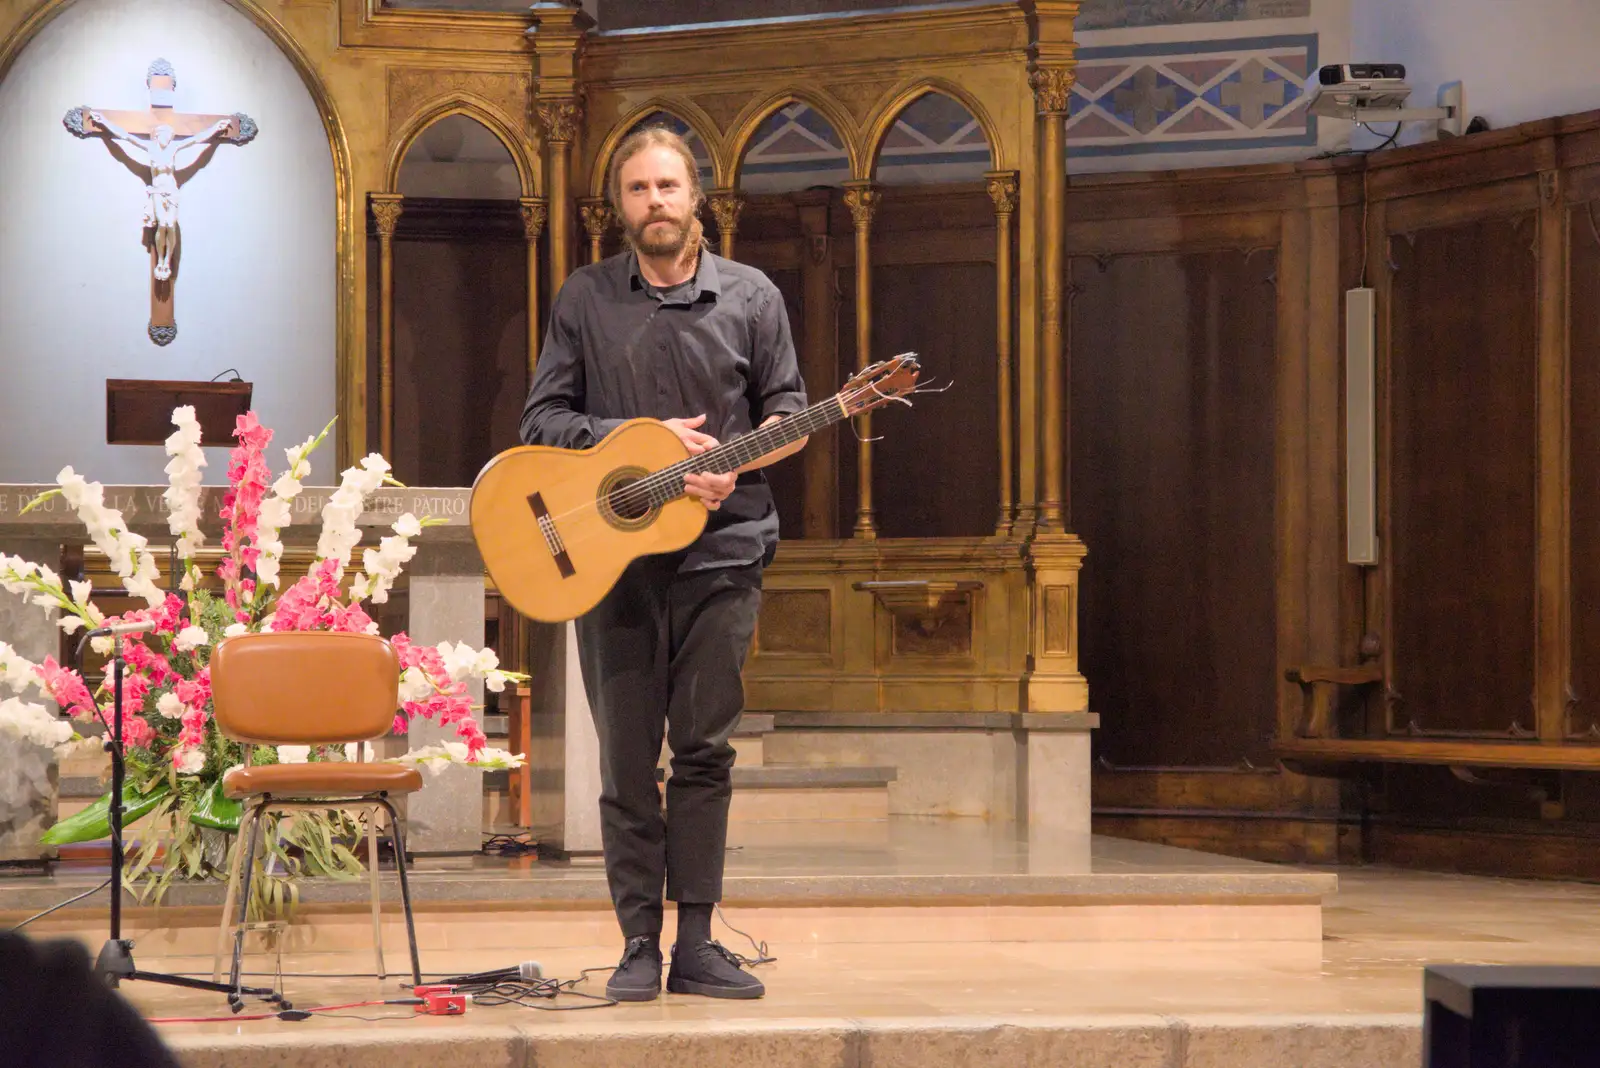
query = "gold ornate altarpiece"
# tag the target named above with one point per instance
(859, 624)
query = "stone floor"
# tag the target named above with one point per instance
(935, 996)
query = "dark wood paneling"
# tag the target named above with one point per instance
(936, 470)
(1584, 304)
(1462, 383)
(1172, 417)
(461, 355)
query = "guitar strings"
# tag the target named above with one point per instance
(640, 492)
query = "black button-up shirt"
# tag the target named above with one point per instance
(618, 348)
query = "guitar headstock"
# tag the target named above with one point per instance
(882, 382)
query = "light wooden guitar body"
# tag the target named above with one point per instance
(557, 527)
(560, 577)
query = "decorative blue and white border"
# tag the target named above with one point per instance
(1192, 96)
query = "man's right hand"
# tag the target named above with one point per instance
(695, 441)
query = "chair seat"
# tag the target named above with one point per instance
(322, 779)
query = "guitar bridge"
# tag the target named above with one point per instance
(552, 536)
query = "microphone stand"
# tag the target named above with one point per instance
(115, 962)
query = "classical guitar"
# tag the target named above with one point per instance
(556, 527)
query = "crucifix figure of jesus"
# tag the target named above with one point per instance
(157, 136)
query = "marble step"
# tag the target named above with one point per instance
(764, 793)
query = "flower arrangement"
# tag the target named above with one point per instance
(176, 756)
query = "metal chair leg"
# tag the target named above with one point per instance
(397, 837)
(377, 904)
(248, 876)
(224, 928)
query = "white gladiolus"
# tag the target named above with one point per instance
(435, 758)
(277, 510)
(15, 573)
(190, 639)
(415, 685)
(183, 482)
(233, 630)
(126, 551)
(170, 707)
(294, 754)
(42, 587)
(340, 515)
(189, 760)
(464, 662)
(32, 723)
(16, 672)
(383, 565)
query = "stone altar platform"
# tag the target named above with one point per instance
(883, 990)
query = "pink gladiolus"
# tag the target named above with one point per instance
(66, 688)
(134, 689)
(248, 478)
(195, 692)
(194, 728)
(143, 661)
(352, 619)
(137, 733)
(401, 723)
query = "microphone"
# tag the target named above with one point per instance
(123, 628)
(526, 972)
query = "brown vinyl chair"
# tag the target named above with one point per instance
(310, 688)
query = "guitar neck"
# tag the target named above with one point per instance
(746, 448)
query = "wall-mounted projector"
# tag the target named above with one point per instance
(1377, 92)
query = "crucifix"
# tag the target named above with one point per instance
(156, 137)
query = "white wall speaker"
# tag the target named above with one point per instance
(1360, 413)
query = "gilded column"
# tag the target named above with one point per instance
(1052, 88)
(533, 216)
(862, 198)
(1003, 191)
(386, 209)
(726, 204)
(560, 120)
(596, 215)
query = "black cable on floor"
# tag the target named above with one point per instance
(761, 957)
(62, 905)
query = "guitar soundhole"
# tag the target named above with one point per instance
(631, 506)
(625, 505)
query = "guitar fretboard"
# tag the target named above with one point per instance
(666, 485)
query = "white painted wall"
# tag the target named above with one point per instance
(1518, 59)
(256, 287)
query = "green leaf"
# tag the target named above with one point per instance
(217, 811)
(94, 822)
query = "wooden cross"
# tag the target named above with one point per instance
(158, 135)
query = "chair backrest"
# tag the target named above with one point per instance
(305, 687)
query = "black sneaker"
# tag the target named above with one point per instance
(707, 968)
(637, 976)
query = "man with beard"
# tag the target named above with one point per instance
(670, 331)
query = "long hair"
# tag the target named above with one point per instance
(660, 137)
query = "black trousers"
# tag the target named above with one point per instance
(666, 650)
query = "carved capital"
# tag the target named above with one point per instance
(862, 200)
(386, 210)
(596, 217)
(726, 206)
(560, 118)
(1052, 88)
(533, 217)
(1550, 186)
(1002, 186)
(819, 247)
